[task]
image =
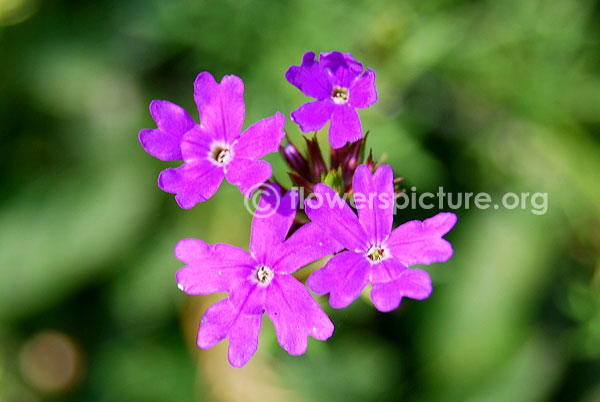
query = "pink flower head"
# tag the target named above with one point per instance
(375, 253)
(338, 84)
(259, 281)
(214, 149)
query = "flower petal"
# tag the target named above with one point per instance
(261, 138)
(343, 277)
(363, 93)
(335, 217)
(413, 283)
(215, 323)
(344, 77)
(345, 126)
(173, 122)
(221, 106)
(307, 244)
(247, 174)
(313, 116)
(374, 199)
(295, 315)
(211, 268)
(243, 339)
(196, 144)
(310, 77)
(225, 320)
(386, 270)
(272, 221)
(193, 182)
(334, 60)
(417, 242)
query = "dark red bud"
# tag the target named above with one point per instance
(301, 182)
(295, 160)
(363, 147)
(370, 162)
(338, 156)
(318, 165)
(352, 159)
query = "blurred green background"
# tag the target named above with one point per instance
(496, 96)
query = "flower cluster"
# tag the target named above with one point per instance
(365, 248)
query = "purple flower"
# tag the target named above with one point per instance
(213, 149)
(337, 84)
(259, 282)
(375, 253)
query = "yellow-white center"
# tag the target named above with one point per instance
(339, 95)
(264, 275)
(376, 254)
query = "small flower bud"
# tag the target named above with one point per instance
(301, 182)
(318, 165)
(295, 160)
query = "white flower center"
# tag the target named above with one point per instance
(376, 254)
(264, 275)
(339, 95)
(220, 154)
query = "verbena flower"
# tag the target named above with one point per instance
(375, 253)
(215, 148)
(258, 282)
(338, 84)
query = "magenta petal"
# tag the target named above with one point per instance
(310, 78)
(211, 268)
(413, 283)
(335, 217)
(172, 121)
(272, 220)
(198, 178)
(247, 174)
(344, 78)
(215, 323)
(295, 315)
(345, 126)
(221, 106)
(417, 242)
(374, 199)
(307, 244)
(386, 270)
(313, 116)
(363, 92)
(243, 339)
(193, 182)
(343, 277)
(196, 144)
(224, 320)
(261, 138)
(334, 60)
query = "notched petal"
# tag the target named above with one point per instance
(417, 242)
(211, 268)
(295, 315)
(310, 77)
(221, 106)
(192, 182)
(261, 138)
(173, 122)
(412, 283)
